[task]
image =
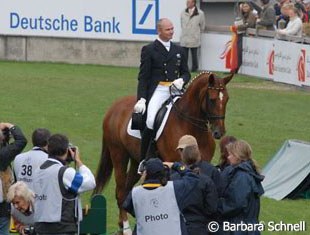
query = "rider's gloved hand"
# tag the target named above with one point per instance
(178, 83)
(140, 106)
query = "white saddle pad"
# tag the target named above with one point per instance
(137, 133)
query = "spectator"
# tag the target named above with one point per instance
(192, 25)
(205, 167)
(223, 151)
(294, 26)
(248, 20)
(22, 200)
(57, 188)
(26, 163)
(278, 5)
(163, 63)
(247, 16)
(266, 13)
(301, 11)
(156, 204)
(306, 25)
(203, 198)
(307, 9)
(283, 19)
(240, 200)
(8, 151)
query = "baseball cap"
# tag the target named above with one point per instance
(153, 166)
(187, 140)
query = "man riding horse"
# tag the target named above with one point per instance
(163, 64)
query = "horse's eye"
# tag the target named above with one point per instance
(213, 102)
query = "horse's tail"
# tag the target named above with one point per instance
(104, 170)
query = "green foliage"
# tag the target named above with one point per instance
(72, 99)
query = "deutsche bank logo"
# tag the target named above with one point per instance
(145, 14)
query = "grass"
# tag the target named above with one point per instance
(73, 99)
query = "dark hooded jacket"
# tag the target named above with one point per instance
(202, 204)
(240, 194)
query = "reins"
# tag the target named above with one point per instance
(201, 123)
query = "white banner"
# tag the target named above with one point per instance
(255, 61)
(281, 61)
(213, 49)
(117, 19)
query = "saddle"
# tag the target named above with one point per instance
(138, 119)
(160, 115)
(137, 122)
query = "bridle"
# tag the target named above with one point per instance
(214, 116)
(201, 123)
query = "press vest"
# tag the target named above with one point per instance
(53, 203)
(26, 163)
(156, 210)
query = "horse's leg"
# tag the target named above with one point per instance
(120, 161)
(132, 176)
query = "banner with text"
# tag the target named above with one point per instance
(273, 59)
(117, 19)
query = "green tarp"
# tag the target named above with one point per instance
(287, 175)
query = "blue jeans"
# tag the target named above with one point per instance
(4, 225)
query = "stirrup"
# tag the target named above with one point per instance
(141, 167)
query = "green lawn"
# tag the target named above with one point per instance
(72, 99)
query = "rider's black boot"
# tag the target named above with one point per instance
(146, 140)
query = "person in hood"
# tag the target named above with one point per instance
(239, 201)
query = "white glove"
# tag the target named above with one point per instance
(178, 83)
(140, 106)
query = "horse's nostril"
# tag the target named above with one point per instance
(217, 134)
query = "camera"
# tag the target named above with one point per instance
(70, 158)
(29, 230)
(6, 135)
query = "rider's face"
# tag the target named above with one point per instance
(166, 30)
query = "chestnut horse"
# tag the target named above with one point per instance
(199, 112)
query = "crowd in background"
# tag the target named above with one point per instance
(286, 17)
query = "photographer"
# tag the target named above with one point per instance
(26, 163)
(158, 197)
(8, 151)
(57, 187)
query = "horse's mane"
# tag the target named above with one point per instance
(195, 78)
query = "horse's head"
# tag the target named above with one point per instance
(213, 100)
(203, 105)
(207, 98)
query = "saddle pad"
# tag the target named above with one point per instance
(137, 133)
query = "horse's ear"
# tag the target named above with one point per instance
(228, 78)
(211, 80)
